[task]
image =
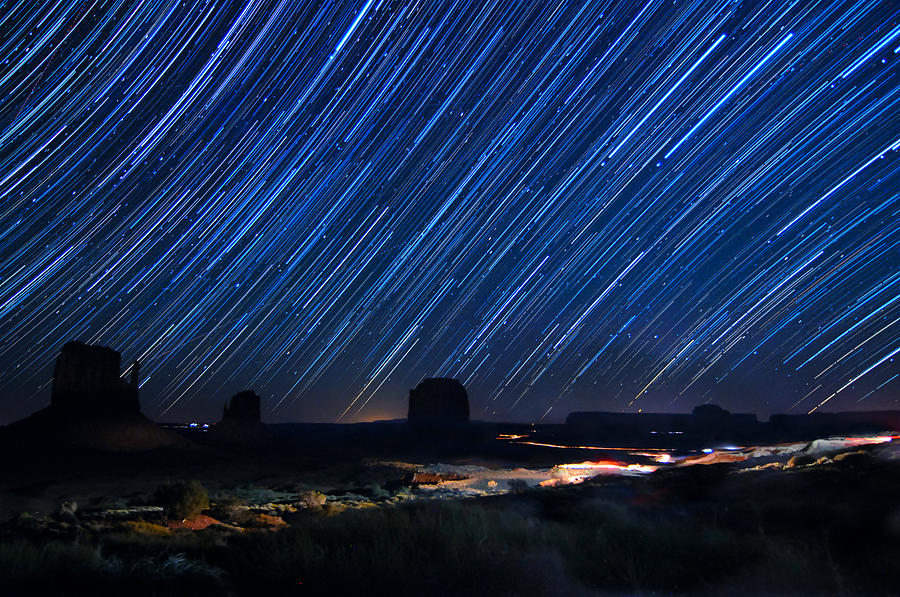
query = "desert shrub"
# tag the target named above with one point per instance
(79, 568)
(447, 548)
(517, 485)
(66, 510)
(376, 491)
(28, 521)
(332, 509)
(140, 499)
(169, 567)
(615, 548)
(231, 509)
(111, 503)
(147, 528)
(310, 498)
(130, 543)
(260, 495)
(183, 499)
(50, 563)
(860, 459)
(793, 567)
(798, 460)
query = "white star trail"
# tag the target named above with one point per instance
(599, 205)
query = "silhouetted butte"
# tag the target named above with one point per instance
(87, 383)
(438, 401)
(91, 406)
(243, 409)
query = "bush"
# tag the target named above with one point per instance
(110, 503)
(232, 509)
(53, 563)
(426, 549)
(517, 485)
(66, 510)
(147, 528)
(28, 521)
(183, 499)
(310, 499)
(376, 491)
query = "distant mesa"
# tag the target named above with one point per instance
(701, 416)
(87, 382)
(242, 409)
(706, 422)
(711, 412)
(438, 401)
(835, 423)
(709, 422)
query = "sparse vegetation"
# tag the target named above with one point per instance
(576, 540)
(831, 528)
(231, 509)
(182, 500)
(66, 510)
(517, 485)
(310, 499)
(141, 527)
(53, 564)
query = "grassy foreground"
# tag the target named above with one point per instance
(832, 530)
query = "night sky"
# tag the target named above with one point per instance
(565, 205)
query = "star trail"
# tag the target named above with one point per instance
(565, 205)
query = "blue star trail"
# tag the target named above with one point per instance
(597, 205)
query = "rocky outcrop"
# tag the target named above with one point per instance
(91, 407)
(438, 401)
(243, 409)
(824, 424)
(711, 413)
(427, 478)
(87, 382)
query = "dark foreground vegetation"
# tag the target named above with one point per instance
(825, 529)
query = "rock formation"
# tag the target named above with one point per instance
(823, 424)
(243, 409)
(707, 422)
(438, 401)
(710, 412)
(91, 406)
(87, 382)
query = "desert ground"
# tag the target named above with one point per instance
(498, 510)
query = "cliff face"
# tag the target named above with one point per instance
(87, 382)
(91, 407)
(438, 401)
(243, 409)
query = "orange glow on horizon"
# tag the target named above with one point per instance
(543, 445)
(608, 465)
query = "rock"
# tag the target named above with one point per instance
(194, 523)
(66, 510)
(517, 485)
(91, 407)
(856, 458)
(243, 409)
(799, 460)
(427, 478)
(311, 499)
(30, 522)
(87, 382)
(263, 520)
(149, 529)
(710, 412)
(438, 401)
